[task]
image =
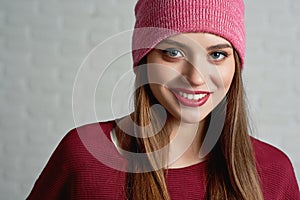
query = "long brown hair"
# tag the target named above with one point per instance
(231, 165)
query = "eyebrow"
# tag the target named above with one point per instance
(210, 48)
(175, 43)
(218, 46)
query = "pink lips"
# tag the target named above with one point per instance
(192, 98)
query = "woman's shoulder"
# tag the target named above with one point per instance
(96, 128)
(77, 137)
(267, 154)
(83, 146)
(87, 140)
(275, 171)
(270, 158)
(81, 166)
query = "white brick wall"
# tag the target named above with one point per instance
(42, 44)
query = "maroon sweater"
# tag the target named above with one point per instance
(75, 172)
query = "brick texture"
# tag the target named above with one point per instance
(43, 44)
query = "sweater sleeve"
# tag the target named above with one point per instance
(55, 179)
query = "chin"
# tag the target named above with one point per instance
(191, 118)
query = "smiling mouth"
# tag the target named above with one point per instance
(191, 98)
(194, 97)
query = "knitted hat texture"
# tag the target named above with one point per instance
(159, 19)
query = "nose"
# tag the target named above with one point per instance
(193, 75)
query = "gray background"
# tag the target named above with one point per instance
(43, 43)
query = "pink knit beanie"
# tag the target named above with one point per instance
(164, 18)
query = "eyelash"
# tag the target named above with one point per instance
(220, 53)
(170, 51)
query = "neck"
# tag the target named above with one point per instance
(185, 143)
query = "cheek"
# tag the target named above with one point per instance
(226, 74)
(227, 77)
(161, 74)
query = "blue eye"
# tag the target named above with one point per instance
(173, 53)
(217, 55)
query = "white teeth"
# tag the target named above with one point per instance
(195, 97)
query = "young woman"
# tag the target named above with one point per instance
(188, 135)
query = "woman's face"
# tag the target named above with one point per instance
(189, 74)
